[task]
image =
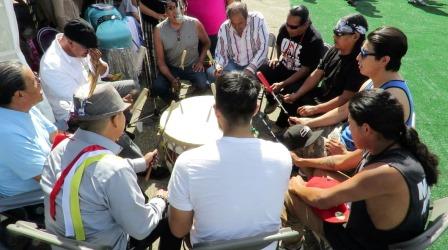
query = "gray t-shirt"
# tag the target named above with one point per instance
(176, 41)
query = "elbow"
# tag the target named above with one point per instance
(178, 231)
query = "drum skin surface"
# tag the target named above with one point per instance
(192, 122)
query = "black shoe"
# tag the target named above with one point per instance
(270, 107)
(160, 173)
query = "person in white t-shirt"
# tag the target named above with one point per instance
(231, 188)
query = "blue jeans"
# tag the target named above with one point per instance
(231, 66)
(162, 87)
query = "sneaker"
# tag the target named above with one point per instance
(270, 107)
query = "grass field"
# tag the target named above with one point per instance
(424, 67)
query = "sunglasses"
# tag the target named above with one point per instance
(293, 27)
(339, 33)
(364, 53)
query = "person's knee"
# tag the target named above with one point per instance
(200, 80)
(161, 87)
(211, 74)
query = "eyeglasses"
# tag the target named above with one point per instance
(36, 77)
(293, 27)
(339, 33)
(364, 53)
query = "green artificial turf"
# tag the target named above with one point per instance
(424, 67)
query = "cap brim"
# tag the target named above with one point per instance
(337, 214)
(102, 116)
(314, 135)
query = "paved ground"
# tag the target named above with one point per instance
(275, 13)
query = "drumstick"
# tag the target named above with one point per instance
(182, 59)
(210, 58)
(209, 112)
(268, 88)
(181, 108)
(161, 136)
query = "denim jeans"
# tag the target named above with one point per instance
(162, 87)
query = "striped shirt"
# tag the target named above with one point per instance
(249, 50)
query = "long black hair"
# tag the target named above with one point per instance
(384, 114)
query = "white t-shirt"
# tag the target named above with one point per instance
(235, 186)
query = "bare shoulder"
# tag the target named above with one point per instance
(380, 178)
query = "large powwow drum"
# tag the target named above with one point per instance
(191, 123)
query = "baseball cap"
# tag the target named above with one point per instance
(337, 214)
(299, 136)
(104, 102)
(80, 31)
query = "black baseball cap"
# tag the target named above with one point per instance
(299, 136)
(80, 31)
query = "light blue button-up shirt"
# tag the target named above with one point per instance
(24, 147)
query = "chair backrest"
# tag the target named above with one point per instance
(248, 243)
(271, 45)
(137, 110)
(21, 200)
(437, 225)
(30, 230)
(45, 37)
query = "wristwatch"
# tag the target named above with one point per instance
(164, 198)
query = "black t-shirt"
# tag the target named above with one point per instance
(155, 5)
(305, 49)
(341, 73)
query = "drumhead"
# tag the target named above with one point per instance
(192, 122)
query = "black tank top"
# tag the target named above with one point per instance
(361, 228)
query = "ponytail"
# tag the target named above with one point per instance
(410, 140)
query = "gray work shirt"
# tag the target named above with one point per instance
(111, 202)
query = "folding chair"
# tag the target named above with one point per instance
(271, 49)
(271, 45)
(45, 37)
(137, 110)
(438, 223)
(249, 243)
(29, 230)
(21, 200)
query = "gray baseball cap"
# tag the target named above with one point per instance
(104, 102)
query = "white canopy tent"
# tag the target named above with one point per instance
(9, 33)
(10, 46)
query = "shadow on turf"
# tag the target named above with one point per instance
(367, 8)
(433, 7)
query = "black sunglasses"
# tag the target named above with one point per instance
(364, 53)
(293, 27)
(339, 33)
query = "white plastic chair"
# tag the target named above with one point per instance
(249, 243)
(437, 225)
